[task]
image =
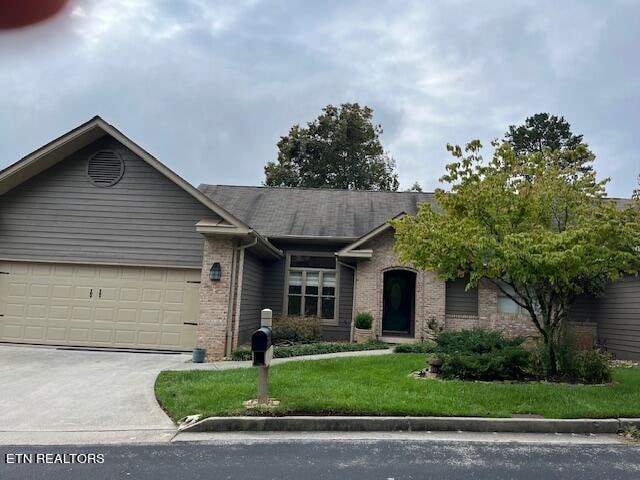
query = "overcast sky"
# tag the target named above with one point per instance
(209, 87)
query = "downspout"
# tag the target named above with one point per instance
(234, 292)
(354, 294)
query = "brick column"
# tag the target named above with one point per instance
(214, 297)
(487, 303)
(434, 295)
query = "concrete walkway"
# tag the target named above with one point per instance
(277, 361)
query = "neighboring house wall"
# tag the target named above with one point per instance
(618, 317)
(251, 298)
(59, 215)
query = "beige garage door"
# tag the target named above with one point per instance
(85, 305)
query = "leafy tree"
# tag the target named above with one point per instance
(339, 149)
(636, 194)
(542, 132)
(416, 187)
(527, 225)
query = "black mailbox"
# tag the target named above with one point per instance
(261, 347)
(261, 340)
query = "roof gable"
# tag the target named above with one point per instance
(57, 150)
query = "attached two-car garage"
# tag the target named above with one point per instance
(99, 306)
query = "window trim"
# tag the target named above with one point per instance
(285, 302)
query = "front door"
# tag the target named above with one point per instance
(398, 302)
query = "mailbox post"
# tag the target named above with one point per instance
(262, 353)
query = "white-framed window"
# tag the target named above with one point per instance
(506, 304)
(311, 286)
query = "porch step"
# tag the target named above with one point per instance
(392, 339)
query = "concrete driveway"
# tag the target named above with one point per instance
(50, 390)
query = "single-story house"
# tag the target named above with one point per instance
(102, 245)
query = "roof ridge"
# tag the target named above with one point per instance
(317, 189)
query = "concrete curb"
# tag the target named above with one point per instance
(409, 424)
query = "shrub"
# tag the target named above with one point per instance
(503, 364)
(590, 366)
(296, 329)
(285, 351)
(473, 341)
(363, 320)
(480, 354)
(573, 364)
(425, 347)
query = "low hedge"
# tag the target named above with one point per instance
(296, 329)
(318, 348)
(424, 347)
(509, 363)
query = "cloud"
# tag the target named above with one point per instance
(209, 86)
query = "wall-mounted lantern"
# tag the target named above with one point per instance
(215, 274)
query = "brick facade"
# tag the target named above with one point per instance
(429, 294)
(429, 297)
(214, 297)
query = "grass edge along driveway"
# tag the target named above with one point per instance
(382, 386)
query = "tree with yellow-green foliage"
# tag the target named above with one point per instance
(535, 224)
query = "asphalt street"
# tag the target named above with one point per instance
(317, 460)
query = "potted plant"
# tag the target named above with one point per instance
(362, 332)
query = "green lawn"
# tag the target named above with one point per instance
(380, 385)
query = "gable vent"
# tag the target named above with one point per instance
(105, 168)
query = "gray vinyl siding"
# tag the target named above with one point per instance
(251, 299)
(458, 301)
(618, 315)
(345, 308)
(273, 285)
(59, 215)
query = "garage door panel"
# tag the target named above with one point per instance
(13, 332)
(108, 293)
(127, 315)
(39, 291)
(35, 333)
(126, 337)
(174, 296)
(17, 290)
(170, 338)
(83, 292)
(59, 312)
(172, 318)
(104, 314)
(63, 292)
(79, 334)
(150, 316)
(102, 336)
(102, 306)
(148, 338)
(56, 334)
(37, 311)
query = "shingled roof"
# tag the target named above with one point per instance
(313, 212)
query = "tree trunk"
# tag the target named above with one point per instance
(551, 352)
